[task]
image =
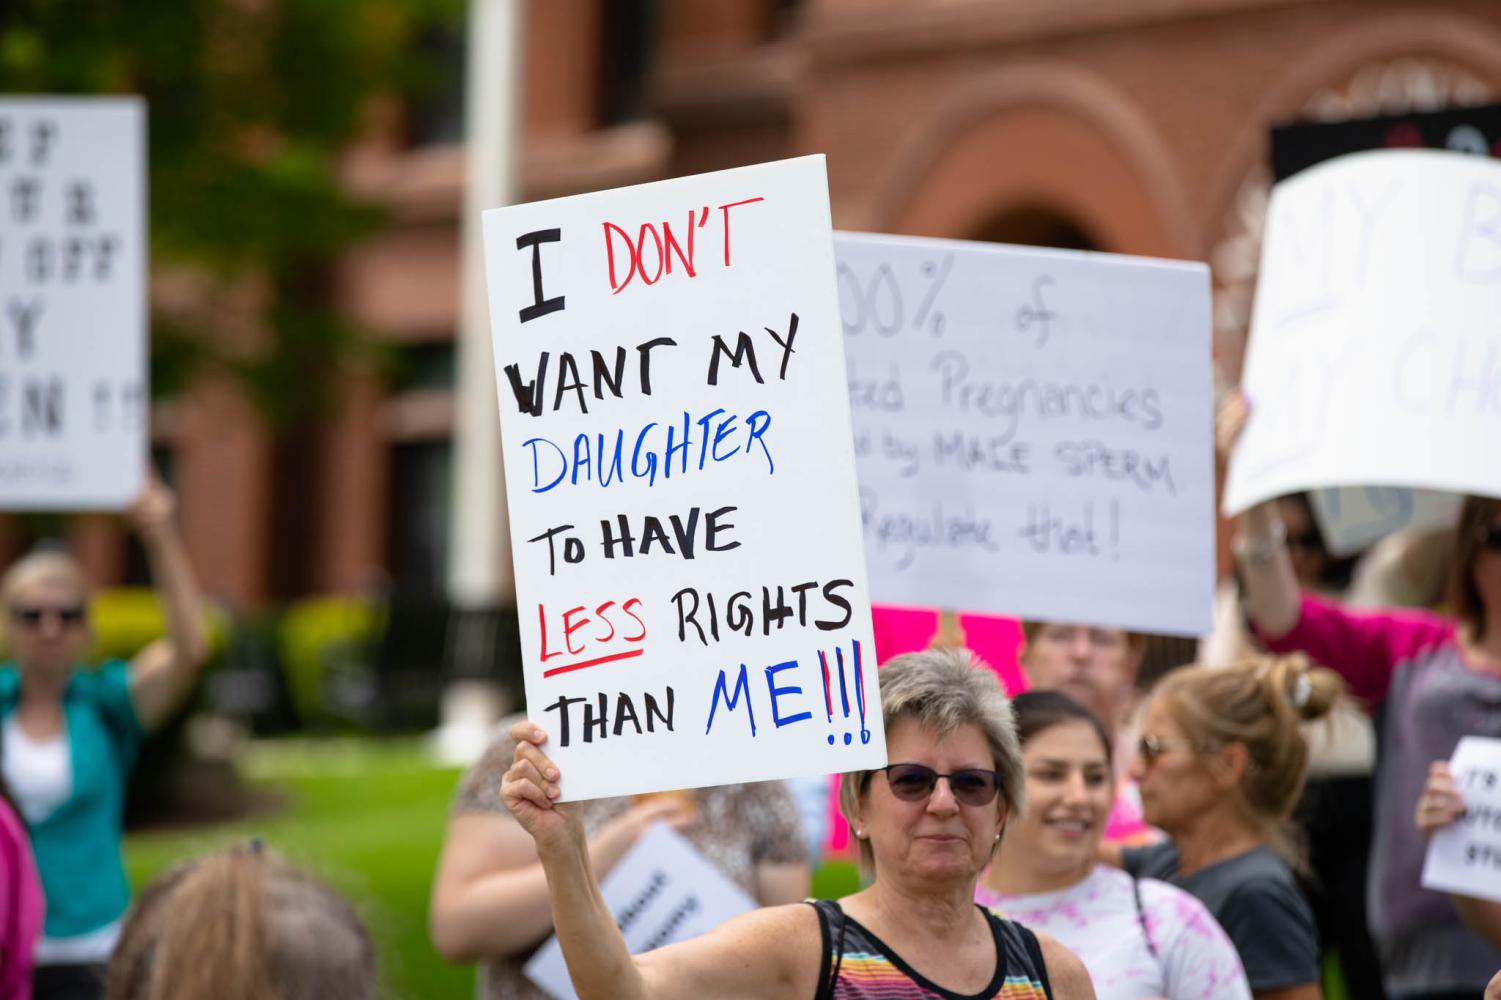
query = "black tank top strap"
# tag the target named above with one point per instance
(831, 929)
(879, 971)
(1022, 950)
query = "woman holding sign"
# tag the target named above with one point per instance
(927, 825)
(1441, 804)
(1139, 938)
(70, 736)
(1432, 679)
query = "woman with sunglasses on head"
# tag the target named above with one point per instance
(1221, 763)
(927, 824)
(68, 736)
(1139, 938)
(1430, 679)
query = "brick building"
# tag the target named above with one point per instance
(1133, 126)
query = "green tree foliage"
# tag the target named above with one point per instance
(251, 102)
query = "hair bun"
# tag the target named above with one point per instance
(1311, 690)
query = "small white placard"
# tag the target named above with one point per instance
(1465, 857)
(1373, 356)
(1353, 518)
(73, 397)
(1032, 430)
(661, 891)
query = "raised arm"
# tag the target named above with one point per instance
(1364, 648)
(162, 674)
(763, 954)
(1269, 586)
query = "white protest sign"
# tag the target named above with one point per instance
(1352, 518)
(73, 402)
(1374, 357)
(1465, 857)
(1032, 430)
(660, 892)
(684, 517)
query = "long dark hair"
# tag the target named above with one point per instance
(1039, 710)
(1474, 518)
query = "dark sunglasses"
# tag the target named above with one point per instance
(32, 617)
(1308, 541)
(973, 786)
(1490, 538)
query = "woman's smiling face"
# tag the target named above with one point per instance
(1070, 789)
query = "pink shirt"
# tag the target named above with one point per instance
(21, 908)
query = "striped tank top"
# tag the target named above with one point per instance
(857, 965)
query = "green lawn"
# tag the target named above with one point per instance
(367, 816)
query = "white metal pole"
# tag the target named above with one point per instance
(480, 572)
(480, 575)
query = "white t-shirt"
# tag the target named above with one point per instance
(1098, 920)
(40, 774)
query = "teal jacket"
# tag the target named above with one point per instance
(77, 848)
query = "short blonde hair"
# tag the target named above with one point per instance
(943, 689)
(42, 564)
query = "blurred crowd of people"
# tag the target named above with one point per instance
(1215, 834)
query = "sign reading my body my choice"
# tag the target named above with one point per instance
(1032, 429)
(690, 578)
(1374, 356)
(73, 404)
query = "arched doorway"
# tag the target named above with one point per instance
(1034, 225)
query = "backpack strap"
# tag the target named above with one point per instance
(1141, 915)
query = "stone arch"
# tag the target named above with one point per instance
(1092, 158)
(1403, 61)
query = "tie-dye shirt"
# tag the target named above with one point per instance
(1170, 948)
(858, 965)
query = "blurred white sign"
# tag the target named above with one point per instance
(73, 396)
(1465, 857)
(1032, 430)
(661, 891)
(1373, 356)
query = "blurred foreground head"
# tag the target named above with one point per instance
(242, 924)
